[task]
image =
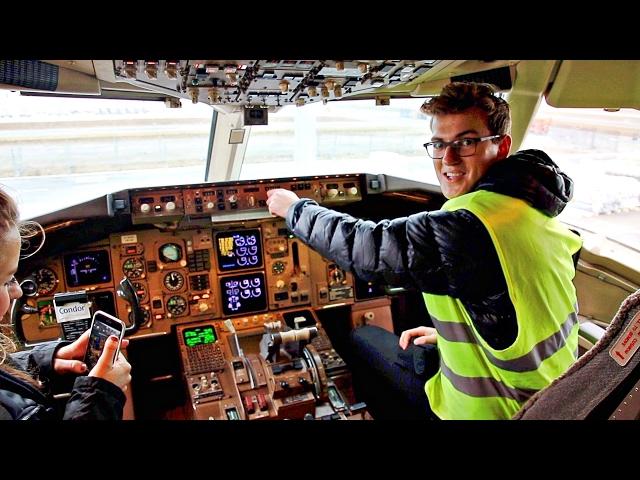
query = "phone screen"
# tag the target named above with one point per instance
(102, 328)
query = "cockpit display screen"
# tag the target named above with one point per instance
(244, 293)
(87, 268)
(239, 250)
(199, 336)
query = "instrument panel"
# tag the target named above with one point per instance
(234, 201)
(209, 251)
(213, 268)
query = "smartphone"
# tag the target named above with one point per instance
(103, 326)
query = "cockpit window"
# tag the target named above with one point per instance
(58, 152)
(342, 137)
(600, 150)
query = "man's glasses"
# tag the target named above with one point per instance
(464, 147)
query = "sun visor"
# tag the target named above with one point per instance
(38, 76)
(596, 84)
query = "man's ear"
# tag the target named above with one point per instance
(504, 146)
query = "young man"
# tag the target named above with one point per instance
(494, 263)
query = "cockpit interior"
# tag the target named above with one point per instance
(229, 315)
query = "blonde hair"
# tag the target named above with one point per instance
(29, 231)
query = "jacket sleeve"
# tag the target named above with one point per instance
(439, 252)
(94, 398)
(38, 361)
(91, 398)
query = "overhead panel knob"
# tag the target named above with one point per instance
(151, 69)
(213, 95)
(193, 93)
(171, 69)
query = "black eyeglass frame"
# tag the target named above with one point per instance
(457, 145)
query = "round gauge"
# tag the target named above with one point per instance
(170, 252)
(278, 267)
(133, 267)
(146, 315)
(176, 305)
(141, 291)
(173, 281)
(46, 281)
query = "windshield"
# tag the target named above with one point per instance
(600, 151)
(342, 137)
(58, 152)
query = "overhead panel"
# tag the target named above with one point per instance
(268, 83)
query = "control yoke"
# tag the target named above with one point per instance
(20, 307)
(128, 293)
(30, 289)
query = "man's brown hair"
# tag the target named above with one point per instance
(457, 97)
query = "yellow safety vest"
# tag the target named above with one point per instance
(475, 381)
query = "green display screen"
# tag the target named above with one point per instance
(199, 336)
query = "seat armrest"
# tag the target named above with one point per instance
(590, 331)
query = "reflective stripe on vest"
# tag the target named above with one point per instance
(459, 332)
(485, 386)
(475, 380)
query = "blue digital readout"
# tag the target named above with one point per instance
(87, 268)
(243, 293)
(239, 250)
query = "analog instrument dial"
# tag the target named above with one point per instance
(141, 291)
(170, 252)
(173, 281)
(133, 267)
(146, 315)
(278, 267)
(176, 305)
(46, 281)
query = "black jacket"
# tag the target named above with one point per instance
(92, 398)
(440, 252)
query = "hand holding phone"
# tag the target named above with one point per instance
(103, 326)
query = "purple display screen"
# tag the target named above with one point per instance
(87, 268)
(244, 293)
(239, 250)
